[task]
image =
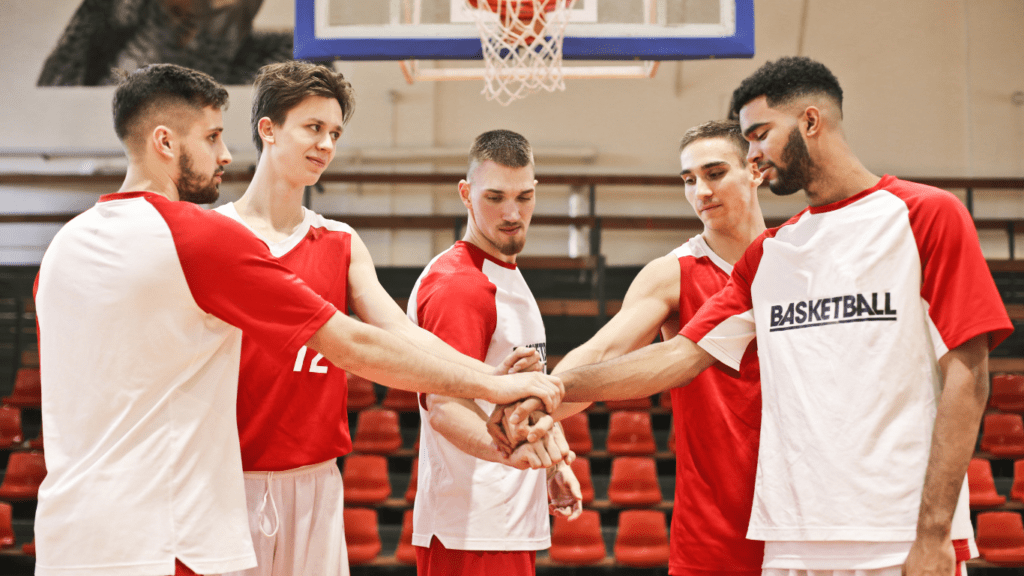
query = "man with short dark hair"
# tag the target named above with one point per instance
(717, 420)
(139, 302)
(292, 413)
(479, 512)
(873, 312)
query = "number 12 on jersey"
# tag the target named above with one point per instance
(314, 366)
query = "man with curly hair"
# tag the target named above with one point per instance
(874, 312)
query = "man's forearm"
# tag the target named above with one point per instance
(644, 372)
(462, 423)
(428, 342)
(961, 405)
(376, 355)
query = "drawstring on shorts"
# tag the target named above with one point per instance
(263, 520)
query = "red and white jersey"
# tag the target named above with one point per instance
(852, 304)
(139, 302)
(293, 412)
(717, 420)
(483, 308)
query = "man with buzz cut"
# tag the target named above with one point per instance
(874, 312)
(292, 413)
(141, 303)
(477, 511)
(717, 420)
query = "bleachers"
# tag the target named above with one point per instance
(568, 323)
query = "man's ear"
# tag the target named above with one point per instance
(265, 128)
(464, 189)
(162, 141)
(812, 120)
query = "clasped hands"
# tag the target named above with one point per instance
(528, 437)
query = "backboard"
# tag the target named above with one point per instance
(597, 30)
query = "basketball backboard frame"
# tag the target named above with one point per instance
(317, 39)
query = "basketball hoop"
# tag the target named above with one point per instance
(522, 45)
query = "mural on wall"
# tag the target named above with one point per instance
(215, 36)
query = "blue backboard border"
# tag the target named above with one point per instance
(309, 47)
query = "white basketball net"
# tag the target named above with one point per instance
(522, 45)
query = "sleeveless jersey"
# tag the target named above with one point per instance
(483, 308)
(852, 304)
(293, 410)
(717, 419)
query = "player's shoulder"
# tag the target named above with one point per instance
(928, 206)
(457, 271)
(317, 220)
(661, 276)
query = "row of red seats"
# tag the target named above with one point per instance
(11, 434)
(1003, 435)
(7, 531)
(1000, 538)
(641, 539)
(634, 481)
(983, 486)
(1007, 392)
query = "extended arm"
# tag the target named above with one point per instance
(377, 356)
(644, 372)
(372, 304)
(964, 394)
(652, 298)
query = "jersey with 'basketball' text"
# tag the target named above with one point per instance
(852, 305)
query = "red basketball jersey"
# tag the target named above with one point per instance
(717, 420)
(293, 410)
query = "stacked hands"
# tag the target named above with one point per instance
(528, 437)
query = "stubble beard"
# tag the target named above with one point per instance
(192, 187)
(798, 167)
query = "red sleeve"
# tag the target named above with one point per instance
(962, 298)
(459, 309)
(733, 299)
(233, 276)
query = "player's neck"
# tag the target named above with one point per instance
(140, 178)
(838, 175)
(271, 204)
(473, 237)
(731, 243)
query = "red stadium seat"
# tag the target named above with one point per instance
(982, 485)
(377, 432)
(665, 399)
(642, 539)
(630, 434)
(365, 478)
(410, 492)
(401, 400)
(10, 427)
(577, 542)
(581, 468)
(1017, 491)
(360, 393)
(406, 552)
(577, 433)
(361, 535)
(643, 403)
(1001, 538)
(27, 389)
(29, 548)
(1008, 392)
(1003, 435)
(25, 472)
(6, 529)
(634, 482)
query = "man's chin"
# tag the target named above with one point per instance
(780, 189)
